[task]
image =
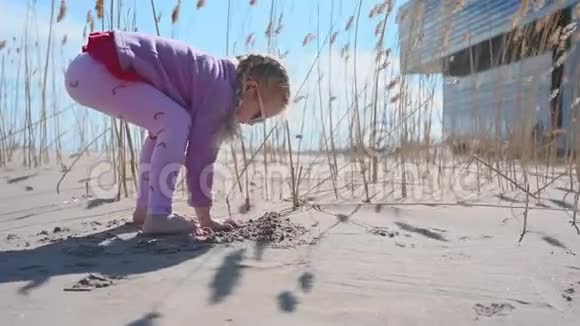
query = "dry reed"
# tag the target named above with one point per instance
(61, 12)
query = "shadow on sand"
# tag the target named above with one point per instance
(147, 320)
(287, 301)
(563, 204)
(227, 277)
(94, 203)
(107, 252)
(554, 242)
(20, 179)
(422, 231)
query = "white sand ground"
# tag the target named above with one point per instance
(443, 265)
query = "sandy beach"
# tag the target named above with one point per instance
(417, 162)
(72, 258)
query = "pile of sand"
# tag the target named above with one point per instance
(272, 227)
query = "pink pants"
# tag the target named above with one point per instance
(90, 84)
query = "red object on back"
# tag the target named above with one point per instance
(101, 47)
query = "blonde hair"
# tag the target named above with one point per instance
(268, 72)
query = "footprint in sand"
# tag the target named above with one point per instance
(12, 236)
(456, 256)
(383, 232)
(59, 229)
(91, 282)
(567, 295)
(494, 309)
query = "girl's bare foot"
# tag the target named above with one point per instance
(172, 224)
(139, 215)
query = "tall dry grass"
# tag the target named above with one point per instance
(390, 149)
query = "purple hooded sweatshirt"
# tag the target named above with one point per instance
(202, 84)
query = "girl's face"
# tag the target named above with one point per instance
(256, 105)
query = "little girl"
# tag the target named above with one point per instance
(188, 101)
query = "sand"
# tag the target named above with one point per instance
(272, 229)
(72, 259)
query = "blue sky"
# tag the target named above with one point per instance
(206, 30)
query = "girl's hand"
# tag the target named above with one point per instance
(217, 225)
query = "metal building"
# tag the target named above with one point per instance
(508, 65)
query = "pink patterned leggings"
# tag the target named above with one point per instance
(90, 84)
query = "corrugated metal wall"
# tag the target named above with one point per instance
(515, 96)
(571, 89)
(433, 29)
